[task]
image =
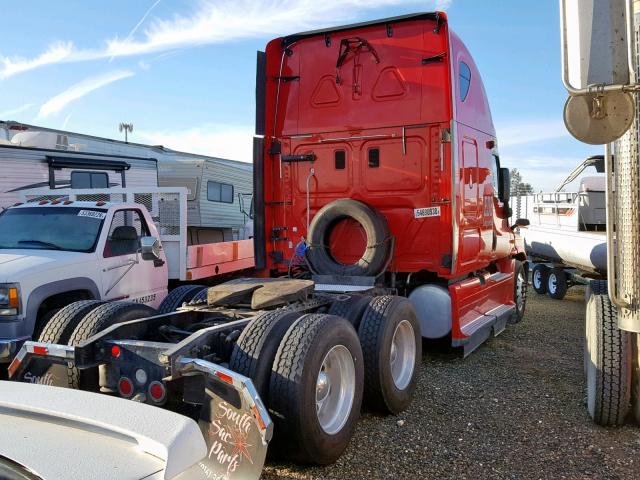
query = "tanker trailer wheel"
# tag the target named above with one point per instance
(315, 391)
(94, 322)
(374, 225)
(557, 283)
(351, 308)
(392, 348)
(520, 289)
(178, 296)
(256, 348)
(539, 280)
(608, 364)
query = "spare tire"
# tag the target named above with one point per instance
(374, 225)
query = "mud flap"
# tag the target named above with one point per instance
(234, 422)
(42, 363)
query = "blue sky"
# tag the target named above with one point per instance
(184, 71)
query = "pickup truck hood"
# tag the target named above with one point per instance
(15, 264)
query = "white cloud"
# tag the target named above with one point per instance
(79, 90)
(7, 114)
(140, 22)
(513, 134)
(235, 143)
(215, 22)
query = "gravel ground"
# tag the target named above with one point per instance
(513, 409)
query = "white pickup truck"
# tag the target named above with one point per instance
(95, 245)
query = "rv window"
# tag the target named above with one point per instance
(464, 80)
(89, 180)
(219, 192)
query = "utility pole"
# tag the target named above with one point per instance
(126, 128)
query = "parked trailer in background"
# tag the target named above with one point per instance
(566, 238)
(381, 218)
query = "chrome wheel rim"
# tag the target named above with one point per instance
(537, 279)
(521, 290)
(335, 389)
(553, 282)
(402, 356)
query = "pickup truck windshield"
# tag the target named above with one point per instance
(51, 228)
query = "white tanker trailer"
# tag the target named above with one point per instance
(566, 236)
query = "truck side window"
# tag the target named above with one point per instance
(495, 174)
(374, 157)
(219, 192)
(340, 159)
(464, 80)
(125, 231)
(89, 180)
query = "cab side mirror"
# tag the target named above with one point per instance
(150, 248)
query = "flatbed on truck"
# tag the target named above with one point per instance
(381, 218)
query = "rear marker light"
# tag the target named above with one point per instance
(224, 377)
(157, 392)
(13, 366)
(67, 202)
(125, 387)
(256, 413)
(99, 204)
(43, 202)
(115, 351)
(40, 350)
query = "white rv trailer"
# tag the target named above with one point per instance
(23, 169)
(220, 189)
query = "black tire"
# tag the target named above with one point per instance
(42, 322)
(608, 362)
(97, 320)
(351, 308)
(520, 290)
(60, 327)
(200, 297)
(539, 276)
(299, 435)
(178, 296)
(374, 225)
(557, 285)
(376, 332)
(256, 348)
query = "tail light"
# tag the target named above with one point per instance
(157, 391)
(125, 387)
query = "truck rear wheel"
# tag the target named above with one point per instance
(539, 278)
(557, 283)
(351, 308)
(256, 348)
(315, 391)
(520, 289)
(97, 320)
(392, 349)
(60, 327)
(178, 296)
(608, 364)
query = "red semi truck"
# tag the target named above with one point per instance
(380, 217)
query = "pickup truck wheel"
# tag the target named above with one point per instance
(539, 278)
(256, 348)
(392, 349)
(315, 391)
(557, 283)
(94, 322)
(608, 362)
(178, 296)
(61, 325)
(351, 308)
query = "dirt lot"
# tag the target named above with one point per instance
(513, 409)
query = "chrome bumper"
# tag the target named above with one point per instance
(9, 347)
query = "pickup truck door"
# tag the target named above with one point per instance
(125, 275)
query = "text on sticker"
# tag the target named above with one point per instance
(92, 214)
(426, 212)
